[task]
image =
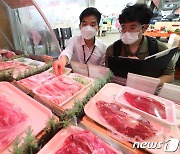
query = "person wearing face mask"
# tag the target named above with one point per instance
(86, 48)
(134, 21)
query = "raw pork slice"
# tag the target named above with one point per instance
(19, 70)
(84, 142)
(124, 123)
(34, 81)
(8, 64)
(146, 104)
(58, 89)
(12, 121)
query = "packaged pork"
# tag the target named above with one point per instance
(75, 140)
(123, 123)
(12, 121)
(30, 62)
(14, 68)
(19, 70)
(18, 111)
(58, 90)
(36, 80)
(8, 65)
(155, 107)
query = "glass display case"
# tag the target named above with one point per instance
(32, 23)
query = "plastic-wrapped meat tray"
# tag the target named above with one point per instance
(58, 90)
(30, 62)
(155, 107)
(106, 94)
(36, 113)
(13, 120)
(14, 67)
(54, 91)
(19, 70)
(8, 64)
(64, 139)
(36, 80)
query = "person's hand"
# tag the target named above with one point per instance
(59, 65)
(133, 57)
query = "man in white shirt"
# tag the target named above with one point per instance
(86, 48)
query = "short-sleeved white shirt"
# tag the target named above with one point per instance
(74, 51)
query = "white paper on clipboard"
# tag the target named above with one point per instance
(89, 70)
(79, 68)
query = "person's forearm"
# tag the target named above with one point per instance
(166, 79)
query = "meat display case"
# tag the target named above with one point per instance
(31, 85)
(42, 41)
(32, 32)
(33, 25)
(94, 121)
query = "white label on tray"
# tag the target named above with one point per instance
(132, 114)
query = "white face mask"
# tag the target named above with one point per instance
(129, 38)
(88, 32)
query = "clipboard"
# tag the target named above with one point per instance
(152, 66)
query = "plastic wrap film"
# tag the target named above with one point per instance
(58, 89)
(8, 65)
(84, 142)
(130, 124)
(35, 80)
(12, 121)
(76, 140)
(146, 104)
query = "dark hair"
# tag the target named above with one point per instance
(136, 12)
(90, 11)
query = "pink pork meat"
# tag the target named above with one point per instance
(8, 64)
(84, 142)
(146, 104)
(59, 89)
(35, 80)
(12, 121)
(124, 123)
(20, 69)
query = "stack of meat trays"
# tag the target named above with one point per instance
(18, 112)
(14, 67)
(54, 91)
(76, 140)
(148, 118)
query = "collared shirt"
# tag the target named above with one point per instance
(141, 53)
(74, 51)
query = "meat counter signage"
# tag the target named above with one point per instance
(170, 145)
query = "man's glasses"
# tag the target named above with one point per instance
(134, 29)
